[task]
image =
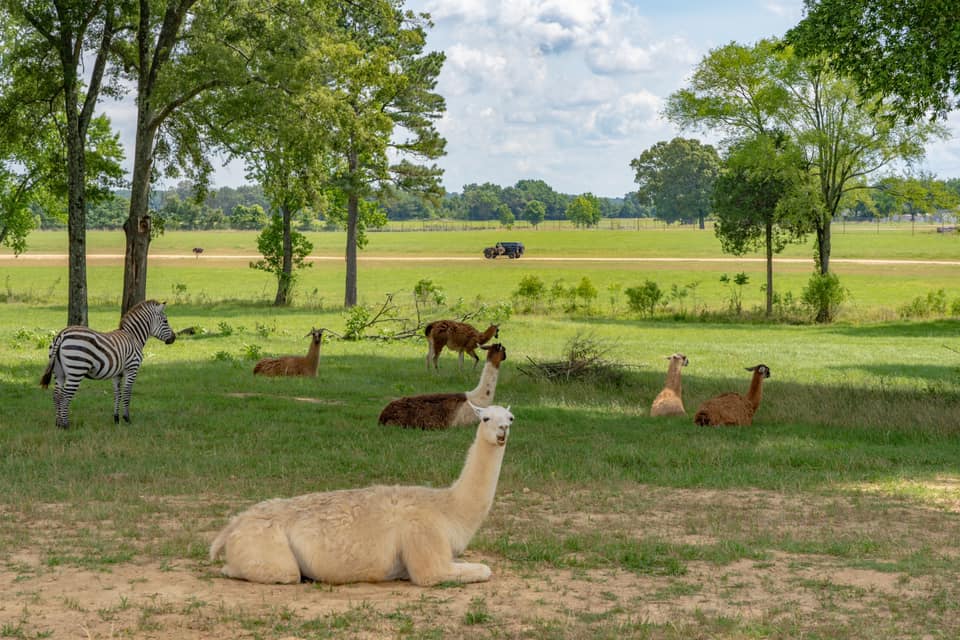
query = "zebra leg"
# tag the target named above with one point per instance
(116, 399)
(62, 395)
(127, 392)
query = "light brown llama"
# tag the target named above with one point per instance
(374, 534)
(443, 410)
(294, 365)
(734, 409)
(669, 402)
(456, 336)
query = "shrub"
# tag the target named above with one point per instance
(529, 293)
(645, 298)
(735, 289)
(933, 304)
(824, 295)
(425, 292)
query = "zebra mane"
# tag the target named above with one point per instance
(136, 308)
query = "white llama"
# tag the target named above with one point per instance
(373, 534)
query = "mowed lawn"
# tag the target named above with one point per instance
(835, 515)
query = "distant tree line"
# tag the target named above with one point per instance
(247, 207)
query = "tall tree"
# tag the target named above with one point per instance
(55, 42)
(844, 138)
(534, 212)
(758, 200)
(584, 210)
(177, 52)
(677, 178)
(384, 111)
(907, 51)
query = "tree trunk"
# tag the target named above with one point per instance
(353, 214)
(138, 224)
(701, 218)
(76, 208)
(823, 245)
(285, 281)
(769, 242)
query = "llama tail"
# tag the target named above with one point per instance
(48, 373)
(701, 419)
(220, 541)
(427, 329)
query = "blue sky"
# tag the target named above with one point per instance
(569, 91)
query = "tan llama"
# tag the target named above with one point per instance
(443, 410)
(669, 402)
(456, 336)
(373, 534)
(733, 409)
(294, 365)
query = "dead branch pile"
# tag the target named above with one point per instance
(584, 361)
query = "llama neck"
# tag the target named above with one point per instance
(473, 492)
(673, 375)
(313, 355)
(486, 335)
(482, 396)
(756, 390)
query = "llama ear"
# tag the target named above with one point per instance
(477, 410)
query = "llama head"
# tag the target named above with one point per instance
(678, 357)
(316, 334)
(495, 423)
(761, 370)
(496, 353)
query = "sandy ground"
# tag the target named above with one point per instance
(188, 598)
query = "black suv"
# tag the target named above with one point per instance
(509, 249)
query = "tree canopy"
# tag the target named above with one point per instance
(677, 178)
(906, 51)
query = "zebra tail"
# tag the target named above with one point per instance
(48, 374)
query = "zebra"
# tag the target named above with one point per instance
(79, 352)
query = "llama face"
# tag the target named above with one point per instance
(761, 369)
(496, 353)
(679, 356)
(495, 423)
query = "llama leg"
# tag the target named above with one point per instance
(476, 359)
(461, 361)
(431, 353)
(428, 559)
(257, 550)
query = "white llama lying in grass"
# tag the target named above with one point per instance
(373, 534)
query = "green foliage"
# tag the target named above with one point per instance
(530, 293)
(904, 50)
(824, 296)
(358, 319)
(534, 212)
(505, 216)
(676, 178)
(932, 304)
(270, 243)
(584, 210)
(248, 217)
(735, 290)
(426, 292)
(645, 298)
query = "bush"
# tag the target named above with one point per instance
(823, 295)
(425, 292)
(530, 293)
(933, 304)
(645, 298)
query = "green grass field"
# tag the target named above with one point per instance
(834, 516)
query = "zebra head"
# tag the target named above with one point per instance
(160, 327)
(148, 319)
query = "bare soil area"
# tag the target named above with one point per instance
(187, 598)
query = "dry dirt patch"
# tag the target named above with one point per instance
(188, 599)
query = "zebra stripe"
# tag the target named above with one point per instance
(80, 352)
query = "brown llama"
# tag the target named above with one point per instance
(734, 409)
(294, 365)
(669, 402)
(443, 410)
(456, 336)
